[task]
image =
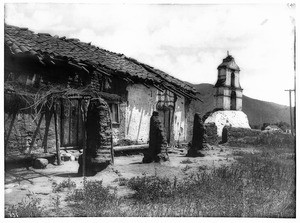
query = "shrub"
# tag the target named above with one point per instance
(187, 161)
(68, 183)
(150, 188)
(29, 207)
(94, 200)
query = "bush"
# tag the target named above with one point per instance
(68, 183)
(29, 207)
(187, 161)
(150, 188)
(94, 200)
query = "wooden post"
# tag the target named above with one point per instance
(35, 121)
(111, 139)
(56, 135)
(36, 132)
(9, 130)
(111, 145)
(291, 114)
(84, 108)
(48, 117)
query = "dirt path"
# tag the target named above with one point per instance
(21, 182)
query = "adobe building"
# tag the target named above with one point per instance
(81, 83)
(228, 97)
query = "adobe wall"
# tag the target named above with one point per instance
(243, 136)
(211, 134)
(141, 103)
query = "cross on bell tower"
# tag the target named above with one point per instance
(228, 90)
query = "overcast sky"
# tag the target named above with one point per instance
(186, 41)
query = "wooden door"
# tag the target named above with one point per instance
(71, 123)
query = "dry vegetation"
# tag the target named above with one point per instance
(258, 185)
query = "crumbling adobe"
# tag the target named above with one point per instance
(157, 141)
(198, 136)
(98, 132)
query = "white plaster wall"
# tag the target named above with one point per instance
(226, 103)
(239, 93)
(180, 122)
(228, 77)
(237, 79)
(219, 102)
(141, 103)
(227, 92)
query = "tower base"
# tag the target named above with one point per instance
(231, 118)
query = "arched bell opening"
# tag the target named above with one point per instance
(233, 101)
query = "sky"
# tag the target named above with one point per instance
(186, 41)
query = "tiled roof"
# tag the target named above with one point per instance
(24, 41)
(229, 62)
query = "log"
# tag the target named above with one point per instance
(131, 147)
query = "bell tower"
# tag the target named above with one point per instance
(228, 90)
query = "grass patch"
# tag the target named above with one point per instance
(94, 200)
(257, 185)
(29, 207)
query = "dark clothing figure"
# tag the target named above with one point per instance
(157, 141)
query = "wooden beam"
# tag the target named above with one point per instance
(48, 117)
(158, 88)
(36, 132)
(111, 139)
(56, 135)
(9, 130)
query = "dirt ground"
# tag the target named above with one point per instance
(21, 182)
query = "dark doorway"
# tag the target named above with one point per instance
(71, 123)
(233, 101)
(232, 79)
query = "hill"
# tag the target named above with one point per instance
(258, 112)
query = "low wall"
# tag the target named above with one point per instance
(242, 136)
(211, 134)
